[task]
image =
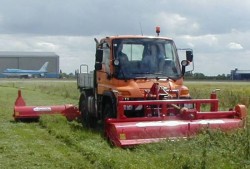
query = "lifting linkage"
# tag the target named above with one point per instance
(24, 112)
(172, 120)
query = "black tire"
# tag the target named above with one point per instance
(87, 120)
(108, 111)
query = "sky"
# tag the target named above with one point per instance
(218, 31)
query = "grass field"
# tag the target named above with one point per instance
(55, 143)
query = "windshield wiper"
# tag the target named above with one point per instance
(168, 77)
(157, 75)
(141, 73)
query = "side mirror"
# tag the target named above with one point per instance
(98, 66)
(99, 55)
(189, 55)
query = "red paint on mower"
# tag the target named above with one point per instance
(125, 131)
(158, 123)
(22, 111)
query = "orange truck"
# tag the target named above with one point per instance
(136, 91)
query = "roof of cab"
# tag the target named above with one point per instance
(135, 37)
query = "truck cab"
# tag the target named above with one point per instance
(129, 66)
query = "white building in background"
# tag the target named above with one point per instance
(240, 74)
(30, 61)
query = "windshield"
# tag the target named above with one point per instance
(146, 58)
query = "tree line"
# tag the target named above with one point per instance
(201, 76)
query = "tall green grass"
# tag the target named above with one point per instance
(65, 89)
(230, 93)
(54, 142)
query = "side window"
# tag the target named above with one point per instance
(169, 51)
(106, 57)
(127, 50)
(133, 51)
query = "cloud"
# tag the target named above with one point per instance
(174, 23)
(95, 17)
(1, 21)
(207, 43)
(1, 18)
(213, 29)
(47, 46)
(234, 46)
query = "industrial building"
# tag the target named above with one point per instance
(30, 61)
(240, 74)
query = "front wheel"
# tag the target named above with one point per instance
(108, 111)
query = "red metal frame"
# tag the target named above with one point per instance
(124, 131)
(21, 111)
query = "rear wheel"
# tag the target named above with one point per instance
(88, 120)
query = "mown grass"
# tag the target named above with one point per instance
(54, 142)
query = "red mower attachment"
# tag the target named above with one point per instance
(23, 112)
(170, 119)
